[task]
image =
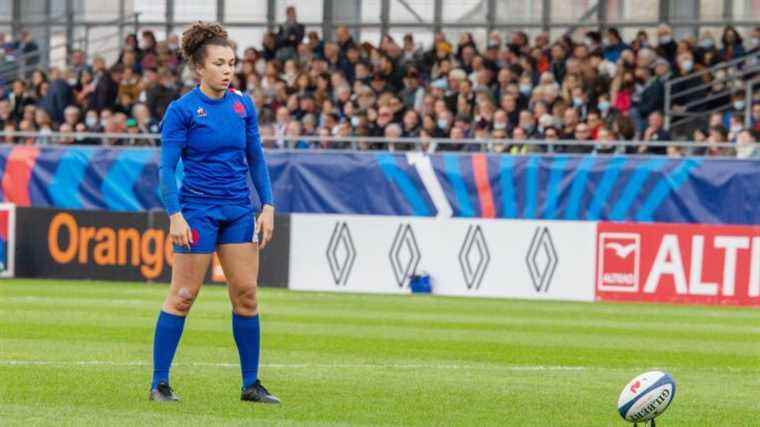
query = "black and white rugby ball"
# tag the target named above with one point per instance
(646, 396)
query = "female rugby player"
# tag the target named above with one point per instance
(214, 130)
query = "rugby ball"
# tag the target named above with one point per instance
(646, 396)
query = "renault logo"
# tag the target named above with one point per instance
(341, 253)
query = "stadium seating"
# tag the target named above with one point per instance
(601, 88)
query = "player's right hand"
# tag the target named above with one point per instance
(180, 231)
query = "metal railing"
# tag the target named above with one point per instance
(356, 143)
(21, 65)
(740, 74)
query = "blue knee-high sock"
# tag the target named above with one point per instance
(168, 332)
(247, 337)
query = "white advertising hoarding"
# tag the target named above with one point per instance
(465, 257)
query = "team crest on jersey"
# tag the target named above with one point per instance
(239, 108)
(200, 112)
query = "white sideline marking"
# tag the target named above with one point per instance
(297, 365)
(512, 368)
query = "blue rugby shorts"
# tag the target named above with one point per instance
(218, 224)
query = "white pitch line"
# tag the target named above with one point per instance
(367, 366)
(297, 365)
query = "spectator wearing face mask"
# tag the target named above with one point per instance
(486, 92)
(685, 92)
(92, 121)
(172, 42)
(501, 121)
(525, 90)
(738, 104)
(443, 123)
(580, 101)
(91, 124)
(706, 51)
(607, 112)
(666, 46)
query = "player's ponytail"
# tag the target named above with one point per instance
(198, 36)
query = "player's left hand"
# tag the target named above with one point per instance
(265, 225)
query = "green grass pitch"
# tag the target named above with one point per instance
(79, 353)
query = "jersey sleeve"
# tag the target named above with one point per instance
(255, 155)
(174, 130)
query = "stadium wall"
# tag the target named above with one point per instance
(79, 244)
(533, 259)
(470, 185)
(557, 260)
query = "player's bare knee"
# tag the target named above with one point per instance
(245, 301)
(183, 301)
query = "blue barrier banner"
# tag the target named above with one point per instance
(613, 188)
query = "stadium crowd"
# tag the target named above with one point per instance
(600, 88)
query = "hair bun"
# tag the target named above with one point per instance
(199, 33)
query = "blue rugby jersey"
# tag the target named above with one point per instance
(219, 143)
